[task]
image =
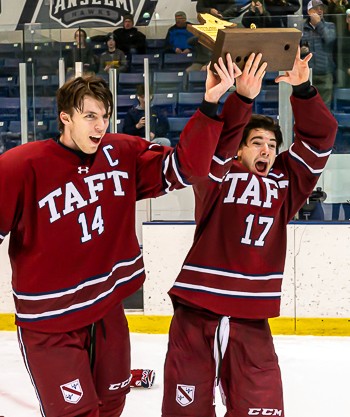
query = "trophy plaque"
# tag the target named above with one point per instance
(277, 45)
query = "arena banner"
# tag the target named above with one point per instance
(73, 13)
(108, 12)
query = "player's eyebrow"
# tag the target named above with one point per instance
(261, 137)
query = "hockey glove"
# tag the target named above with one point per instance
(142, 378)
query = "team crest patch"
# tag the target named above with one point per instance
(184, 394)
(72, 391)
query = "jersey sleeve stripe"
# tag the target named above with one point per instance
(220, 161)
(175, 164)
(214, 178)
(299, 159)
(316, 152)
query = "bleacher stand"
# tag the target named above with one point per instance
(177, 62)
(165, 102)
(168, 82)
(188, 102)
(176, 126)
(137, 62)
(127, 82)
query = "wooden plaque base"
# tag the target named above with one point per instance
(278, 46)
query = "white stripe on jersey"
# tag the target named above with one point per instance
(318, 154)
(214, 178)
(272, 174)
(226, 292)
(220, 161)
(77, 306)
(80, 286)
(232, 274)
(175, 167)
(314, 171)
(166, 166)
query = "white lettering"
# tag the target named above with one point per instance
(254, 411)
(264, 412)
(271, 191)
(52, 206)
(116, 178)
(112, 162)
(68, 4)
(74, 200)
(73, 197)
(93, 188)
(252, 190)
(113, 387)
(59, 6)
(122, 4)
(234, 179)
(254, 193)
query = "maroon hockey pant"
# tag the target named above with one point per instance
(82, 373)
(249, 371)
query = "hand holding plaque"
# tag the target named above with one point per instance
(278, 46)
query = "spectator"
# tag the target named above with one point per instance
(335, 7)
(129, 39)
(113, 57)
(134, 122)
(201, 55)
(342, 50)
(177, 37)
(279, 9)
(221, 9)
(82, 52)
(319, 38)
(256, 15)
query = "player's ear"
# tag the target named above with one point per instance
(64, 117)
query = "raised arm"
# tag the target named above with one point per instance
(217, 84)
(300, 72)
(314, 134)
(190, 161)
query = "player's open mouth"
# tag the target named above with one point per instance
(95, 139)
(261, 166)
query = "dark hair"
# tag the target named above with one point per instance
(140, 90)
(82, 31)
(128, 17)
(111, 36)
(71, 95)
(263, 122)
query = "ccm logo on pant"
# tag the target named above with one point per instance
(264, 412)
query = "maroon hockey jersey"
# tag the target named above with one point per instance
(235, 265)
(73, 247)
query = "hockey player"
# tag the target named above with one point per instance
(230, 282)
(69, 204)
